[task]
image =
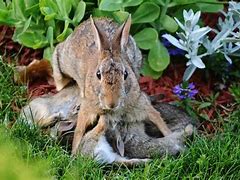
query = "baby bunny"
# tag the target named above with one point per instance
(95, 144)
(97, 57)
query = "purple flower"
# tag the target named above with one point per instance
(184, 92)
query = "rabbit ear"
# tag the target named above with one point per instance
(101, 40)
(122, 34)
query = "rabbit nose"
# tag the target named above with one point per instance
(111, 106)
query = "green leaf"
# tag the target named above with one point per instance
(30, 3)
(114, 5)
(5, 18)
(183, 2)
(64, 9)
(99, 13)
(79, 13)
(145, 13)
(61, 37)
(50, 36)
(209, 8)
(128, 3)
(47, 53)
(146, 38)
(204, 105)
(49, 9)
(3, 5)
(158, 57)
(33, 11)
(32, 40)
(120, 16)
(18, 7)
(169, 24)
(147, 71)
(27, 24)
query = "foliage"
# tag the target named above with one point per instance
(43, 23)
(151, 18)
(226, 41)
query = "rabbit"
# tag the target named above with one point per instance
(95, 57)
(94, 144)
(100, 143)
(142, 140)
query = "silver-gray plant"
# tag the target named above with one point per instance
(226, 41)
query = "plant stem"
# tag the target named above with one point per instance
(164, 10)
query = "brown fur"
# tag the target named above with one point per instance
(141, 139)
(110, 96)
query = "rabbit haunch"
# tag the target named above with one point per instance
(96, 56)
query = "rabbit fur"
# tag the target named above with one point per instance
(142, 139)
(95, 56)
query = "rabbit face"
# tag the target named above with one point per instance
(111, 76)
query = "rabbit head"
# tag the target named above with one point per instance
(113, 74)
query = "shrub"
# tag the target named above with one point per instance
(43, 23)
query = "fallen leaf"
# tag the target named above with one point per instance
(37, 69)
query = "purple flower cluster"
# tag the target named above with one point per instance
(172, 50)
(188, 91)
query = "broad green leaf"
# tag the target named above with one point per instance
(79, 13)
(30, 3)
(159, 2)
(145, 13)
(99, 13)
(5, 18)
(183, 2)
(64, 9)
(128, 3)
(148, 71)
(209, 8)
(74, 3)
(3, 5)
(33, 11)
(146, 38)
(158, 57)
(32, 40)
(49, 9)
(114, 5)
(26, 24)
(169, 24)
(18, 9)
(120, 16)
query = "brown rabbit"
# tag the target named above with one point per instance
(95, 57)
(141, 139)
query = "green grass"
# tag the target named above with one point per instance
(26, 153)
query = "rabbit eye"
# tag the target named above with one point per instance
(98, 75)
(125, 75)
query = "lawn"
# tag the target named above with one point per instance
(27, 153)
